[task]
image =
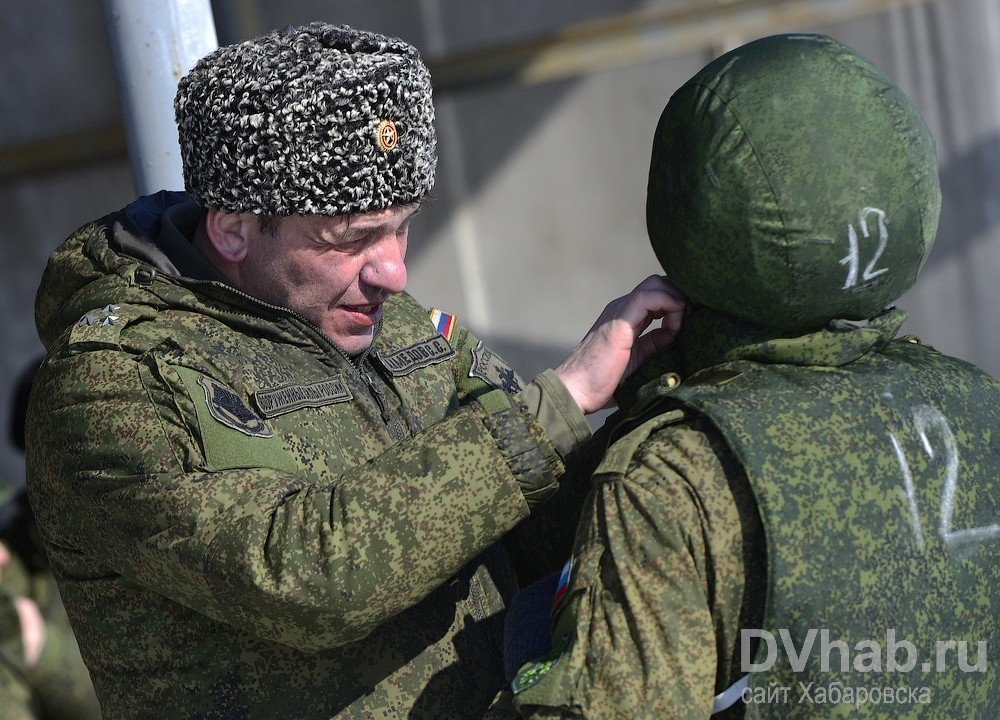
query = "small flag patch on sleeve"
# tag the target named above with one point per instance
(563, 585)
(443, 322)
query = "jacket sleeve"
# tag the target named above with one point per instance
(540, 544)
(655, 593)
(115, 475)
(479, 372)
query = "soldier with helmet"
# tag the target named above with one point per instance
(798, 513)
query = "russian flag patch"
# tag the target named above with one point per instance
(563, 585)
(443, 322)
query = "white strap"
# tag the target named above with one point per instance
(727, 698)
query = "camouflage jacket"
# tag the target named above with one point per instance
(670, 561)
(245, 522)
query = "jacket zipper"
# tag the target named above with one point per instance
(377, 394)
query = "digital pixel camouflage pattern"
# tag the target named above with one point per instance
(790, 466)
(875, 469)
(58, 687)
(666, 569)
(778, 175)
(853, 443)
(244, 522)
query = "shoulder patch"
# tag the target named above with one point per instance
(287, 398)
(420, 354)
(532, 673)
(229, 409)
(489, 367)
(443, 322)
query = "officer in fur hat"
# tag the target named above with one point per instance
(797, 507)
(270, 483)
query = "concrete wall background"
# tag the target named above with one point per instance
(538, 216)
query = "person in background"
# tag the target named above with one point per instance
(270, 483)
(798, 505)
(42, 675)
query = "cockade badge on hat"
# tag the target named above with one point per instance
(386, 135)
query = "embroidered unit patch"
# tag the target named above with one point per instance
(229, 409)
(443, 322)
(489, 367)
(286, 398)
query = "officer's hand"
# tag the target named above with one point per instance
(615, 345)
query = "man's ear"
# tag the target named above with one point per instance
(228, 234)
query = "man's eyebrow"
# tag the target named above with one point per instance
(349, 231)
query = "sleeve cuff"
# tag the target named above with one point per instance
(555, 410)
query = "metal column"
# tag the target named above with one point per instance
(153, 44)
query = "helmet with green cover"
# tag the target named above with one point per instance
(792, 183)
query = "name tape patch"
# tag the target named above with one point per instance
(426, 352)
(287, 398)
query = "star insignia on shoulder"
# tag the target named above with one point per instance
(105, 318)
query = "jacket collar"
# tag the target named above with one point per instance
(710, 338)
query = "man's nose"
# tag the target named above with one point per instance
(385, 267)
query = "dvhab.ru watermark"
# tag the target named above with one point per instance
(866, 656)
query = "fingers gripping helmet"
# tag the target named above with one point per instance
(792, 183)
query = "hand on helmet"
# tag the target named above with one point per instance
(615, 346)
